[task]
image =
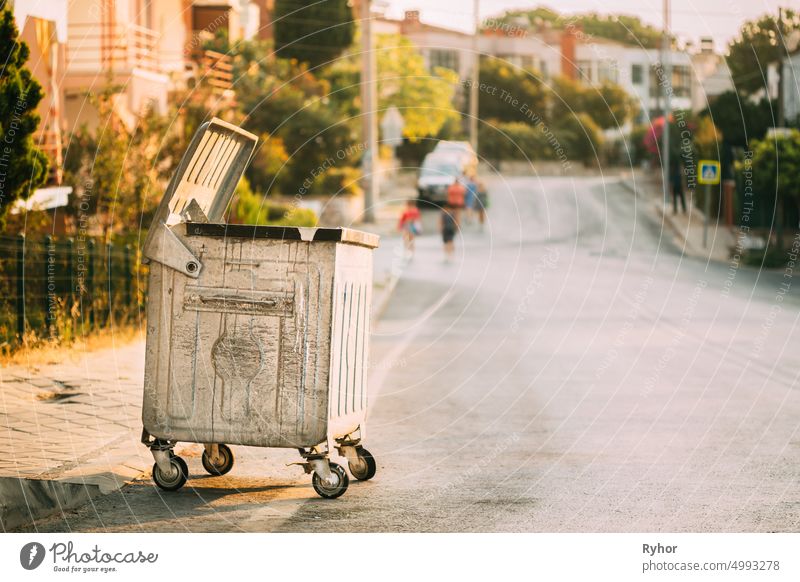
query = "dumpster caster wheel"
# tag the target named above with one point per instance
(177, 480)
(327, 491)
(220, 468)
(366, 467)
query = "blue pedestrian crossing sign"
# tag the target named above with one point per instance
(709, 172)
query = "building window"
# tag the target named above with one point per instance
(656, 80)
(607, 71)
(637, 74)
(585, 71)
(444, 58)
(681, 81)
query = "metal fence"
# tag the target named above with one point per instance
(60, 289)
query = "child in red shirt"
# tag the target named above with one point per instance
(410, 225)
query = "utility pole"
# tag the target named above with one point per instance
(666, 63)
(369, 117)
(473, 88)
(781, 51)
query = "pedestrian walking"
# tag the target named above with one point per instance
(410, 225)
(449, 226)
(470, 196)
(481, 201)
(456, 193)
(676, 178)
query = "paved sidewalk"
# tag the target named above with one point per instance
(71, 431)
(687, 229)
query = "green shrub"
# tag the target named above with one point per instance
(253, 208)
(513, 141)
(575, 139)
(770, 257)
(344, 180)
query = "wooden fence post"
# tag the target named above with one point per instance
(90, 282)
(20, 260)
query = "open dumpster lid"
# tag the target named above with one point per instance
(208, 173)
(200, 190)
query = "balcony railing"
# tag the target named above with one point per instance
(215, 69)
(95, 47)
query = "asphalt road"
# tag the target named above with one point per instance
(570, 371)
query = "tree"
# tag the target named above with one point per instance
(706, 140)
(513, 140)
(23, 167)
(509, 93)
(268, 161)
(776, 164)
(622, 28)
(628, 30)
(740, 118)
(609, 105)
(758, 45)
(425, 99)
(287, 102)
(115, 170)
(315, 34)
(345, 91)
(579, 137)
(252, 208)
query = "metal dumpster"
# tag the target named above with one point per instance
(256, 335)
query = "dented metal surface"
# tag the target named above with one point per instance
(267, 347)
(256, 335)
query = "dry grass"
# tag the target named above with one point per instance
(44, 353)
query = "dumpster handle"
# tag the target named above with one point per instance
(166, 248)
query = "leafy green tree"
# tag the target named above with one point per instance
(513, 140)
(757, 46)
(776, 173)
(344, 77)
(284, 100)
(622, 28)
(424, 99)
(314, 33)
(23, 167)
(579, 136)
(252, 208)
(706, 140)
(116, 170)
(268, 162)
(509, 94)
(609, 105)
(739, 118)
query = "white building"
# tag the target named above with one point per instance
(696, 76)
(711, 75)
(641, 73)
